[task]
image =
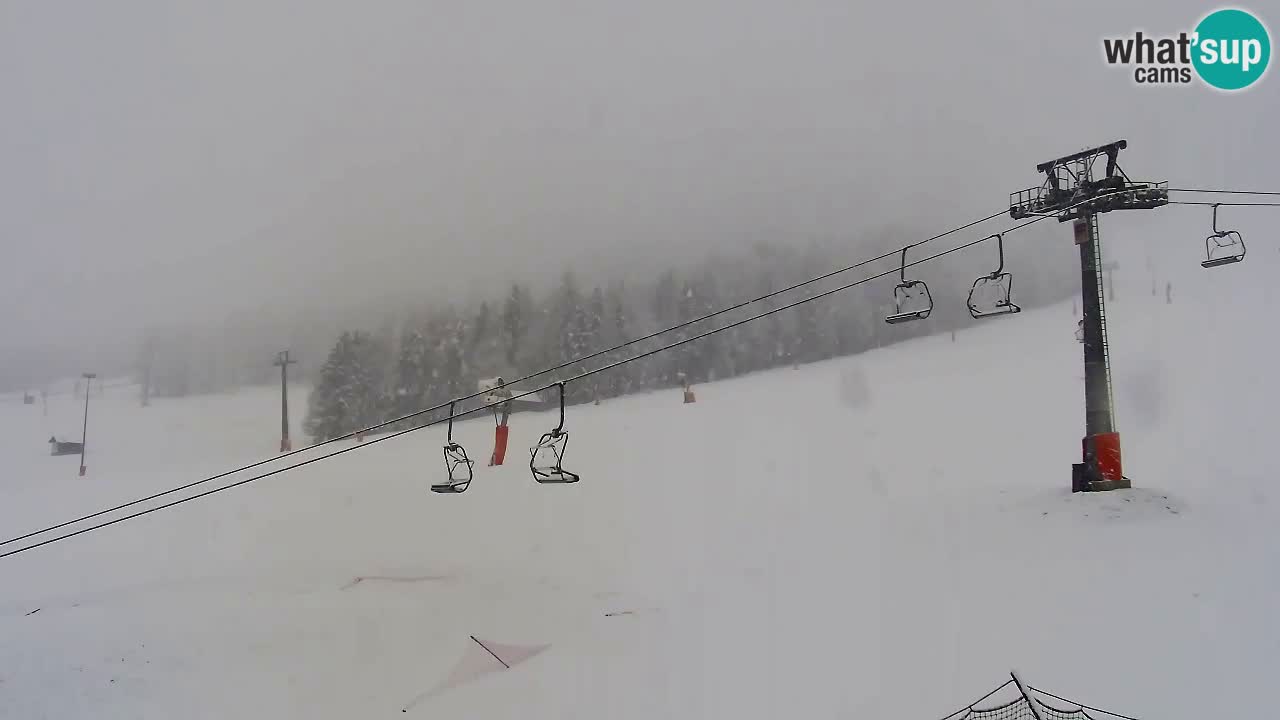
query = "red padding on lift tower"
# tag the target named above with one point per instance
(1107, 449)
(499, 444)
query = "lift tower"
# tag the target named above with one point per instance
(283, 361)
(1076, 189)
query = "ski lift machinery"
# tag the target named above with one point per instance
(991, 295)
(456, 464)
(546, 457)
(1223, 247)
(911, 298)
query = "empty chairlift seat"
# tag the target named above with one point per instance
(992, 294)
(911, 298)
(457, 466)
(1223, 247)
(458, 470)
(547, 457)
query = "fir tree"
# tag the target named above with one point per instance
(666, 312)
(480, 328)
(350, 392)
(594, 320)
(452, 371)
(515, 323)
(805, 341)
(591, 340)
(574, 334)
(571, 318)
(413, 377)
(613, 332)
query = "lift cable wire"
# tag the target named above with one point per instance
(525, 393)
(1226, 204)
(1225, 192)
(575, 361)
(441, 406)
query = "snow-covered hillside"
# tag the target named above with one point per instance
(877, 536)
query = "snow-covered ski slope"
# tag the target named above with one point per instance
(877, 536)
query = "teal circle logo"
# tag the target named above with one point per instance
(1232, 49)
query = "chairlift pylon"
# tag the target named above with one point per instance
(456, 464)
(991, 294)
(1223, 247)
(911, 298)
(546, 457)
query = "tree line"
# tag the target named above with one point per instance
(441, 353)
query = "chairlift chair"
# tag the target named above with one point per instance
(911, 298)
(546, 457)
(1223, 247)
(991, 295)
(456, 464)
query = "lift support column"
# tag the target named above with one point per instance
(1074, 190)
(1101, 468)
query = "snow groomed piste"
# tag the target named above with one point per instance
(805, 581)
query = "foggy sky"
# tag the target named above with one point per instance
(169, 162)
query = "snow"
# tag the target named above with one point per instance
(877, 536)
